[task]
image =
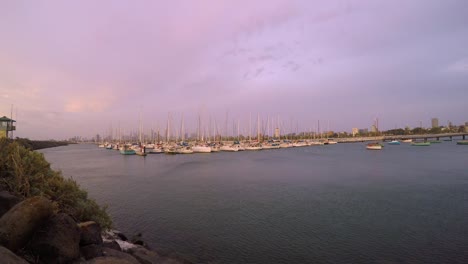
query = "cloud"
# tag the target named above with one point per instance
(460, 66)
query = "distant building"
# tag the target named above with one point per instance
(363, 131)
(450, 124)
(355, 131)
(374, 129)
(6, 126)
(435, 122)
(277, 132)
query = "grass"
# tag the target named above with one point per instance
(27, 173)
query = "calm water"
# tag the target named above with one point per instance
(321, 204)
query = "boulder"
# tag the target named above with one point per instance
(121, 236)
(57, 241)
(121, 255)
(112, 244)
(18, 224)
(137, 240)
(108, 260)
(90, 233)
(7, 201)
(145, 256)
(91, 251)
(8, 257)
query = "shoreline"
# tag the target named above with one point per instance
(47, 218)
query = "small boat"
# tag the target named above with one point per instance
(462, 142)
(299, 144)
(407, 140)
(228, 148)
(201, 149)
(286, 144)
(271, 146)
(126, 150)
(184, 150)
(331, 141)
(141, 153)
(254, 147)
(238, 146)
(170, 151)
(421, 144)
(102, 146)
(374, 146)
(316, 143)
(394, 142)
(156, 150)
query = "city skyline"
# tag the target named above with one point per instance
(76, 68)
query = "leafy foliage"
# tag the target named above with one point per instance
(27, 173)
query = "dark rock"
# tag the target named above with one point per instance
(8, 257)
(7, 201)
(121, 255)
(112, 244)
(91, 251)
(121, 236)
(90, 233)
(144, 256)
(18, 224)
(58, 241)
(108, 260)
(137, 240)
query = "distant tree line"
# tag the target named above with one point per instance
(38, 144)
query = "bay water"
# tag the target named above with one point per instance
(320, 204)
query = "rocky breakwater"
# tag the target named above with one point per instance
(34, 230)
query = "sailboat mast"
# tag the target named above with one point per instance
(250, 127)
(238, 133)
(182, 128)
(258, 127)
(167, 128)
(198, 128)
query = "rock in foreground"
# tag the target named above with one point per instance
(19, 223)
(58, 241)
(8, 257)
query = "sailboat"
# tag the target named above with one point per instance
(126, 150)
(200, 146)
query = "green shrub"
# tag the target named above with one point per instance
(27, 173)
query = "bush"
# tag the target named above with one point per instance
(27, 173)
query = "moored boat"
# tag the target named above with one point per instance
(228, 148)
(374, 146)
(394, 142)
(201, 149)
(184, 150)
(126, 150)
(462, 142)
(407, 140)
(421, 144)
(254, 147)
(156, 150)
(141, 153)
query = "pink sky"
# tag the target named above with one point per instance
(75, 68)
